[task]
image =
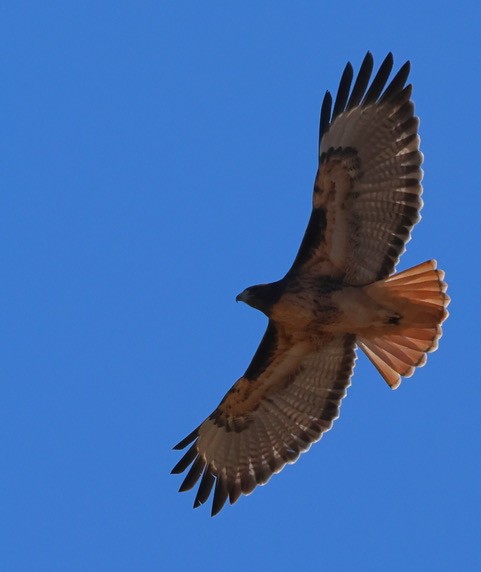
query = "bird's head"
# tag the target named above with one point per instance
(262, 296)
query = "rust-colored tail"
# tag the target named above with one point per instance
(419, 298)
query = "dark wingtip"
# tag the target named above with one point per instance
(206, 484)
(343, 91)
(220, 495)
(397, 83)
(368, 59)
(379, 80)
(186, 460)
(193, 475)
(215, 511)
(187, 441)
(325, 115)
(362, 80)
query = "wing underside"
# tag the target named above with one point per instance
(368, 187)
(232, 454)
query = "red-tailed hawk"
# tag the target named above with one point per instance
(339, 293)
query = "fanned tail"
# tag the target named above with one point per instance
(419, 297)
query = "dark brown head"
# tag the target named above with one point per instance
(263, 296)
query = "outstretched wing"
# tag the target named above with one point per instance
(288, 397)
(367, 190)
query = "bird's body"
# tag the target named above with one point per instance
(314, 304)
(340, 292)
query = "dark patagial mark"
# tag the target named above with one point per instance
(313, 237)
(263, 356)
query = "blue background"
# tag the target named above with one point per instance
(156, 159)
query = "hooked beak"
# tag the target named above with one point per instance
(242, 297)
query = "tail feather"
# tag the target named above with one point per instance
(418, 296)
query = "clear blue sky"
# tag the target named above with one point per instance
(156, 159)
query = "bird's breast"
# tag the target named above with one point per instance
(304, 311)
(343, 310)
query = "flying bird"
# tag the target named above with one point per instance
(339, 293)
